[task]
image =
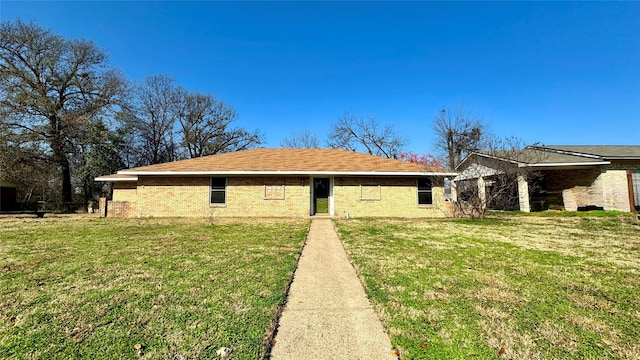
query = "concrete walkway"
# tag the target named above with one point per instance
(327, 315)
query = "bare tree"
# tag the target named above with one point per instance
(49, 88)
(458, 134)
(302, 140)
(153, 114)
(205, 126)
(493, 171)
(356, 133)
(494, 179)
(171, 123)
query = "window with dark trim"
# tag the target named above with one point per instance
(218, 190)
(635, 183)
(425, 193)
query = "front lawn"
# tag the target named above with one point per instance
(87, 288)
(515, 287)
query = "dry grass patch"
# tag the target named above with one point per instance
(513, 287)
(87, 287)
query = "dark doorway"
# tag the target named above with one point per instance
(321, 190)
(8, 199)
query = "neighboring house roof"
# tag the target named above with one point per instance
(562, 155)
(542, 157)
(285, 162)
(604, 152)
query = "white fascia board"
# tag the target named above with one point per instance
(306, 173)
(114, 179)
(501, 159)
(595, 163)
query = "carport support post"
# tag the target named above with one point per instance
(482, 192)
(523, 194)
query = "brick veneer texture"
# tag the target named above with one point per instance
(603, 187)
(156, 196)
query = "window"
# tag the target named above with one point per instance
(447, 190)
(425, 195)
(218, 190)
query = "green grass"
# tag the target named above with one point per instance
(513, 287)
(558, 213)
(93, 288)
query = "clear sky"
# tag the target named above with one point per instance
(548, 72)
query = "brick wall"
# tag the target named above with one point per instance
(190, 197)
(392, 197)
(569, 189)
(604, 187)
(615, 190)
(120, 209)
(124, 200)
(249, 196)
(125, 191)
(172, 196)
(157, 196)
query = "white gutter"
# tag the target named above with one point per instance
(500, 158)
(101, 178)
(309, 173)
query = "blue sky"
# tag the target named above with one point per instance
(550, 72)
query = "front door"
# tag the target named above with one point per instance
(321, 191)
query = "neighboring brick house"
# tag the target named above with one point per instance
(569, 177)
(279, 183)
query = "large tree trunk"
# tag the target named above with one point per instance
(60, 159)
(451, 150)
(66, 184)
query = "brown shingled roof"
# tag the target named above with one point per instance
(569, 155)
(611, 152)
(287, 161)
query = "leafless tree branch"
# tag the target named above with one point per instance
(356, 133)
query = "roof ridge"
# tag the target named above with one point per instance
(613, 152)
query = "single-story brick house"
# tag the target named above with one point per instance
(281, 183)
(567, 177)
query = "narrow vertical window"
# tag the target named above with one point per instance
(218, 190)
(425, 195)
(635, 183)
